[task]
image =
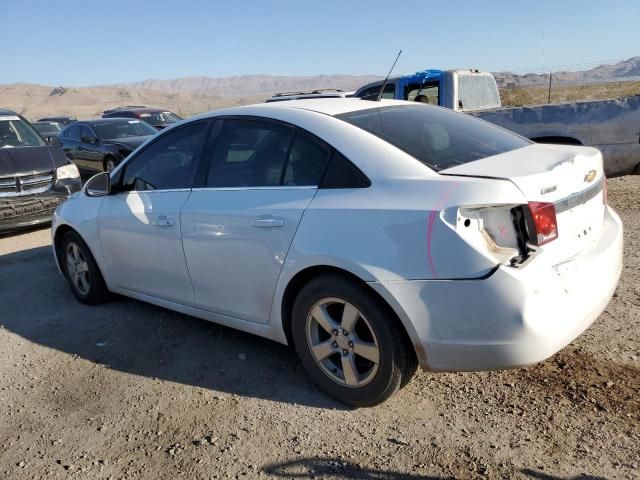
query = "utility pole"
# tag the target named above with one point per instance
(550, 74)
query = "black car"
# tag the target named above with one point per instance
(63, 120)
(155, 117)
(48, 130)
(34, 177)
(100, 145)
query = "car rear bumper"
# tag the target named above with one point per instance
(514, 317)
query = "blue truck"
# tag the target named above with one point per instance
(613, 126)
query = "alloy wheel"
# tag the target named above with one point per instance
(342, 342)
(78, 268)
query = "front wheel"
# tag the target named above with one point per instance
(81, 270)
(349, 343)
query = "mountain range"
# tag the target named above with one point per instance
(187, 96)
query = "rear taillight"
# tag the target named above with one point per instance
(544, 220)
(605, 191)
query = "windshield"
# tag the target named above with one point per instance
(123, 129)
(159, 118)
(48, 128)
(438, 137)
(477, 92)
(15, 132)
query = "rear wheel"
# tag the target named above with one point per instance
(349, 344)
(81, 270)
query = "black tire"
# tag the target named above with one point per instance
(96, 292)
(396, 359)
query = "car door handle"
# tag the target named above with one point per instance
(267, 222)
(162, 221)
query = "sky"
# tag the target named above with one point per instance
(79, 43)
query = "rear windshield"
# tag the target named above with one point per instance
(159, 118)
(15, 132)
(123, 129)
(477, 92)
(438, 137)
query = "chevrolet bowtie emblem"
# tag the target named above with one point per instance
(591, 174)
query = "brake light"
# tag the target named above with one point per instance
(544, 221)
(605, 192)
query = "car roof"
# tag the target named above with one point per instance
(7, 112)
(327, 106)
(138, 110)
(98, 121)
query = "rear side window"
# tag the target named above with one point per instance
(437, 137)
(389, 91)
(254, 153)
(249, 153)
(306, 162)
(343, 174)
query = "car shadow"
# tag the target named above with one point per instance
(316, 467)
(134, 337)
(534, 474)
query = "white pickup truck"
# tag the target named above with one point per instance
(613, 126)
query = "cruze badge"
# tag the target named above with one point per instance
(591, 174)
(546, 190)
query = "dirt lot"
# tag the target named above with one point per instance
(128, 390)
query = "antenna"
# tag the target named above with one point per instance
(384, 84)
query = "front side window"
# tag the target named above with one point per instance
(437, 137)
(73, 132)
(15, 132)
(86, 133)
(168, 163)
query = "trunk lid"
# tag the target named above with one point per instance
(570, 177)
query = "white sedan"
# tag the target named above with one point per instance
(375, 237)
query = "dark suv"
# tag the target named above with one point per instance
(155, 117)
(34, 177)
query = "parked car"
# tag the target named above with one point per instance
(99, 145)
(155, 117)
(610, 125)
(49, 130)
(63, 120)
(373, 236)
(34, 177)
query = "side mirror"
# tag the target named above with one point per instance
(98, 186)
(88, 139)
(53, 141)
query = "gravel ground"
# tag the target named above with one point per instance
(128, 390)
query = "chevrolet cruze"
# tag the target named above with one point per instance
(375, 237)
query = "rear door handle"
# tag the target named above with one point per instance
(268, 222)
(162, 221)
